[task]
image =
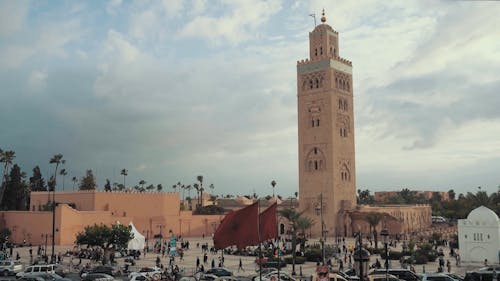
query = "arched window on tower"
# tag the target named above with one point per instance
(310, 84)
(315, 151)
(336, 82)
(320, 50)
(317, 83)
(312, 123)
(316, 165)
(343, 85)
(304, 85)
(340, 104)
(331, 50)
(347, 86)
(317, 122)
(316, 52)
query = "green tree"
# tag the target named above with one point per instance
(159, 187)
(364, 197)
(58, 160)
(124, 173)
(142, 183)
(63, 173)
(296, 222)
(451, 194)
(74, 180)
(107, 186)
(200, 189)
(37, 183)
(107, 238)
(88, 181)
(16, 191)
(373, 220)
(6, 157)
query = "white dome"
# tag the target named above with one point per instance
(483, 214)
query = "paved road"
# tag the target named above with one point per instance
(189, 262)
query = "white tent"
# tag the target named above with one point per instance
(138, 242)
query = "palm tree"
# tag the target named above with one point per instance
(273, 184)
(124, 173)
(159, 187)
(58, 160)
(6, 157)
(373, 220)
(74, 180)
(200, 198)
(142, 183)
(296, 222)
(63, 173)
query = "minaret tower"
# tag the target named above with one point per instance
(326, 133)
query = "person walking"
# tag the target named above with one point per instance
(197, 262)
(241, 266)
(448, 265)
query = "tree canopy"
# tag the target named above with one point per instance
(108, 238)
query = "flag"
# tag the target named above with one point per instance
(238, 228)
(268, 226)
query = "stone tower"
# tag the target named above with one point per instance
(326, 133)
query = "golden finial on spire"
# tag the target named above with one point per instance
(323, 18)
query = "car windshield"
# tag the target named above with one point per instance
(147, 269)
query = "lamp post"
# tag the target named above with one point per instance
(385, 233)
(360, 245)
(147, 239)
(319, 211)
(161, 226)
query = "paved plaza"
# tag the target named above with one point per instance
(188, 264)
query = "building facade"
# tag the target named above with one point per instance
(380, 196)
(152, 213)
(479, 236)
(327, 170)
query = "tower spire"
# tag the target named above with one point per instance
(323, 18)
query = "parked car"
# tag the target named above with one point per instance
(382, 277)
(153, 272)
(95, 276)
(331, 276)
(480, 275)
(31, 278)
(220, 271)
(435, 277)
(283, 276)
(400, 273)
(52, 277)
(110, 270)
(37, 270)
(10, 267)
(454, 276)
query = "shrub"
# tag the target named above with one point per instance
(298, 260)
(313, 255)
(393, 255)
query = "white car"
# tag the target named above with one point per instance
(152, 272)
(284, 276)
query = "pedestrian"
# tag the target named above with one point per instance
(448, 265)
(213, 263)
(158, 261)
(202, 268)
(240, 266)
(197, 262)
(341, 265)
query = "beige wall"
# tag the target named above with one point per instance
(148, 211)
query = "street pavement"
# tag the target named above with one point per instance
(188, 264)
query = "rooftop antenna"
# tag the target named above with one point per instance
(314, 17)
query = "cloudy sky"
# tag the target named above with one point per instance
(173, 89)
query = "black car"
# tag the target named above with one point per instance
(404, 274)
(481, 276)
(219, 271)
(100, 276)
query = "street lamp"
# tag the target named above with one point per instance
(319, 212)
(385, 233)
(147, 239)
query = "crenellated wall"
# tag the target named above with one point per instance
(151, 212)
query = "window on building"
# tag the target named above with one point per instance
(315, 151)
(316, 52)
(317, 83)
(317, 122)
(316, 165)
(321, 50)
(312, 123)
(310, 84)
(334, 52)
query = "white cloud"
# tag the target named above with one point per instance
(12, 16)
(238, 24)
(37, 81)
